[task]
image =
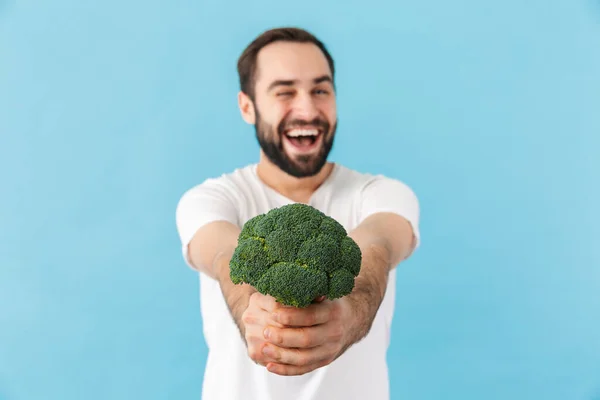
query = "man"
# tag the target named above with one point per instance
(259, 350)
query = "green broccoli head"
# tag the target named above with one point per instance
(296, 254)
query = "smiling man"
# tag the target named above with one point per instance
(259, 350)
(294, 110)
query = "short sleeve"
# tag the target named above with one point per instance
(208, 202)
(383, 194)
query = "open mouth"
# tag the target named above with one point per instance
(303, 140)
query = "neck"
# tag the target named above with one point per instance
(296, 189)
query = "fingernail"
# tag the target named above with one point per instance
(268, 351)
(267, 332)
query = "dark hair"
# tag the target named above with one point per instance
(246, 65)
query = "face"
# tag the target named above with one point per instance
(294, 112)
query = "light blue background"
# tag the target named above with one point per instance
(109, 110)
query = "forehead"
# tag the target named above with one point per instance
(290, 61)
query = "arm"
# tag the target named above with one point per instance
(210, 251)
(385, 239)
(387, 235)
(207, 222)
(208, 228)
(316, 336)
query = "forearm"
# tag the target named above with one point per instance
(211, 250)
(384, 240)
(369, 288)
(237, 297)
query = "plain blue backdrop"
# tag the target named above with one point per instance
(490, 111)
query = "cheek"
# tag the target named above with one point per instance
(329, 108)
(281, 112)
(277, 113)
(331, 114)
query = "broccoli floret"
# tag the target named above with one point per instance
(292, 284)
(339, 281)
(249, 228)
(296, 254)
(321, 252)
(249, 261)
(350, 255)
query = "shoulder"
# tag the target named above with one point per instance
(379, 193)
(225, 185)
(215, 194)
(214, 199)
(369, 183)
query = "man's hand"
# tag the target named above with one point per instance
(304, 339)
(254, 320)
(317, 335)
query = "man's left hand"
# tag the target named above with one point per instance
(311, 338)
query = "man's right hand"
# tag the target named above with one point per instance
(255, 319)
(210, 252)
(251, 311)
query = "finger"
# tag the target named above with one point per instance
(298, 357)
(315, 314)
(258, 317)
(289, 370)
(299, 337)
(265, 302)
(255, 344)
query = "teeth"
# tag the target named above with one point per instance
(302, 132)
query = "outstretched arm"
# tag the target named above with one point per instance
(387, 234)
(211, 250)
(316, 336)
(385, 239)
(207, 224)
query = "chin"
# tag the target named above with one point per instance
(305, 167)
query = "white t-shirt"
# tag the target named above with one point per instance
(349, 197)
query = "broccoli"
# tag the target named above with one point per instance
(296, 254)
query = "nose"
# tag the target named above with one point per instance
(305, 106)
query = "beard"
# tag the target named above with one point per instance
(299, 166)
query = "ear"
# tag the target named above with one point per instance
(246, 108)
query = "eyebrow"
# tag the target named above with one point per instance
(291, 82)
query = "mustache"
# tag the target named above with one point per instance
(297, 123)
